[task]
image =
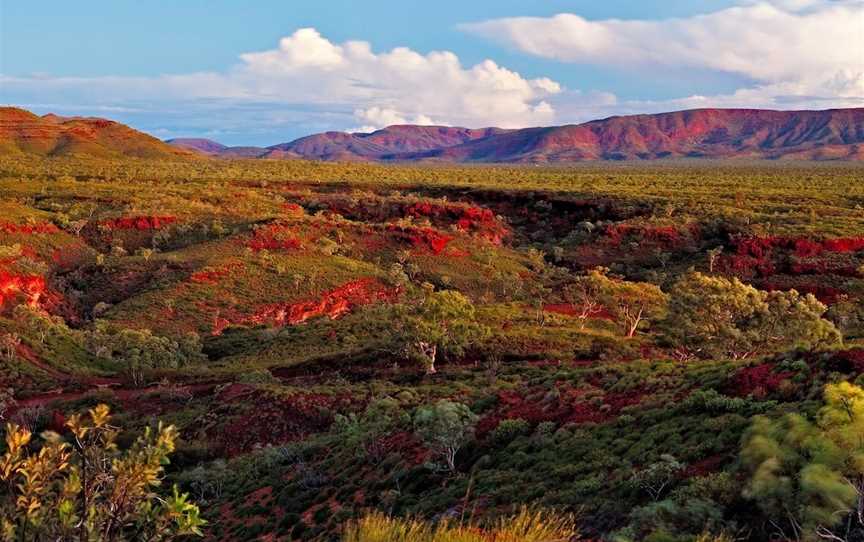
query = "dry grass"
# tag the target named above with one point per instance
(529, 525)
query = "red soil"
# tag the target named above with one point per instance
(30, 287)
(28, 229)
(705, 466)
(213, 276)
(666, 236)
(422, 238)
(408, 445)
(273, 237)
(757, 381)
(760, 247)
(333, 304)
(279, 420)
(571, 406)
(767, 256)
(848, 361)
(140, 223)
(292, 208)
(26, 252)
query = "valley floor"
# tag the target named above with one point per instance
(335, 340)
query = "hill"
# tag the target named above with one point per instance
(701, 133)
(51, 135)
(388, 143)
(197, 144)
(214, 148)
(836, 134)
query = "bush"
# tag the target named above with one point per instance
(717, 317)
(508, 430)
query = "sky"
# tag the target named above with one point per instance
(267, 71)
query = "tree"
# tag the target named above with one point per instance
(365, 433)
(445, 322)
(657, 477)
(140, 351)
(584, 293)
(631, 303)
(9, 343)
(716, 316)
(809, 477)
(89, 487)
(713, 256)
(445, 427)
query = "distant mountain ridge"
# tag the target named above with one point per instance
(387, 143)
(198, 144)
(22, 132)
(834, 134)
(384, 144)
(213, 148)
(702, 133)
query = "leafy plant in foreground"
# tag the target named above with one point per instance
(808, 478)
(88, 489)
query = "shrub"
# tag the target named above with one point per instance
(809, 475)
(716, 317)
(508, 430)
(115, 489)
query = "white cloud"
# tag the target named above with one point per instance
(378, 89)
(784, 54)
(376, 117)
(812, 50)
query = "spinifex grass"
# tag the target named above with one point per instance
(529, 525)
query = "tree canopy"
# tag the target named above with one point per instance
(445, 322)
(720, 317)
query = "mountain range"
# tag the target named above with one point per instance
(836, 134)
(698, 133)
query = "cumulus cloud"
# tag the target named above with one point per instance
(376, 117)
(375, 88)
(783, 54)
(810, 50)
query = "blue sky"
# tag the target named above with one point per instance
(174, 68)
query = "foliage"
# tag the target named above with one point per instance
(444, 322)
(715, 316)
(445, 427)
(304, 283)
(808, 477)
(140, 351)
(365, 433)
(89, 487)
(585, 294)
(656, 478)
(630, 303)
(507, 430)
